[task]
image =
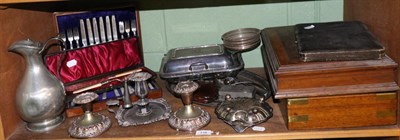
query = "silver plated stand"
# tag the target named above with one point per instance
(90, 124)
(144, 111)
(188, 117)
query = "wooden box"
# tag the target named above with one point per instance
(91, 25)
(333, 94)
(354, 110)
(292, 78)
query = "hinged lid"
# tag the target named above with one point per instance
(199, 60)
(291, 77)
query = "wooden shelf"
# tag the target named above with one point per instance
(25, 1)
(31, 18)
(275, 128)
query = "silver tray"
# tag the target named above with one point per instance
(199, 63)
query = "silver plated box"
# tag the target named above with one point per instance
(200, 63)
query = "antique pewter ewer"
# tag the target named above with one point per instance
(90, 124)
(40, 95)
(143, 111)
(188, 117)
(242, 113)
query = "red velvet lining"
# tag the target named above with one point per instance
(95, 60)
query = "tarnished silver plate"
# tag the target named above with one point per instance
(199, 62)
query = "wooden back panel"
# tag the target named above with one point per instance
(381, 17)
(16, 25)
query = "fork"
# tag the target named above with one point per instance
(121, 28)
(70, 38)
(127, 28)
(62, 36)
(76, 37)
(133, 27)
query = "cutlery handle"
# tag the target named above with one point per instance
(95, 31)
(108, 29)
(114, 27)
(76, 37)
(90, 33)
(102, 30)
(83, 32)
(133, 26)
(121, 29)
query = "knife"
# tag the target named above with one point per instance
(114, 27)
(102, 31)
(89, 30)
(83, 33)
(108, 29)
(95, 31)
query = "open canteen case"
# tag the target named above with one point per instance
(100, 48)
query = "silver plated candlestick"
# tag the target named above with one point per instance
(144, 111)
(90, 124)
(188, 117)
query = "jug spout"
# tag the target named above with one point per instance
(25, 46)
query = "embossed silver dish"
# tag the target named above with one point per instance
(242, 113)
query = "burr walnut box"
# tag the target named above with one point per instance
(330, 94)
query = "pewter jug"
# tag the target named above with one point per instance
(40, 95)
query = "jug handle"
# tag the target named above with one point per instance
(46, 46)
(46, 43)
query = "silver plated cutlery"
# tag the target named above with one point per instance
(63, 38)
(75, 31)
(114, 27)
(70, 38)
(108, 29)
(121, 29)
(102, 30)
(133, 27)
(127, 28)
(96, 31)
(90, 33)
(83, 33)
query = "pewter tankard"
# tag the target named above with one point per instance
(40, 95)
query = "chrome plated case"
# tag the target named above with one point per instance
(200, 63)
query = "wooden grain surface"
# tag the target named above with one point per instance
(275, 128)
(382, 19)
(1, 129)
(16, 25)
(344, 111)
(292, 77)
